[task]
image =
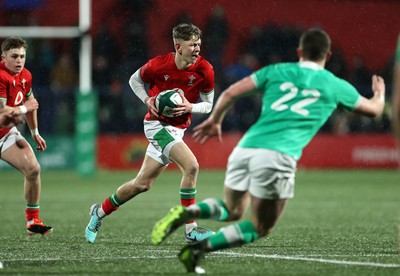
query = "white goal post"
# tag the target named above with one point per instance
(86, 107)
(85, 54)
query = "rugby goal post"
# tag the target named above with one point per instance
(86, 122)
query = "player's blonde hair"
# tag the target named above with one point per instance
(185, 32)
(13, 42)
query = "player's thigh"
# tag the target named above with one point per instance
(150, 169)
(162, 136)
(183, 157)
(236, 183)
(20, 155)
(237, 173)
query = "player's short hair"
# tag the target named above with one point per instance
(13, 42)
(186, 32)
(315, 44)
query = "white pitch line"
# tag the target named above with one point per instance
(319, 260)
(225, 253)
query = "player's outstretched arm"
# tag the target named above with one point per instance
(212, 126)
(206, 130)
(373, 107)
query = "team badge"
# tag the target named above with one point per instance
(191, 79)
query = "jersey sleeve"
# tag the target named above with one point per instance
(209, 80)
(261, 77)
(147, 72)
(347, 95)
(3, 88)
(28, 84)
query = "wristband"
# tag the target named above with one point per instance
(23, 109)
(34, 132)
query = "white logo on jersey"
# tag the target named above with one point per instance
(191, 79)
(166, 77)
(23, 83)
(18, 99)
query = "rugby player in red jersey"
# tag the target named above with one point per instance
(16, 98)
(186, 71)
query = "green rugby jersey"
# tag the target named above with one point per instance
(297, 100)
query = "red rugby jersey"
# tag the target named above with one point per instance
(14, 88)
(162, 74)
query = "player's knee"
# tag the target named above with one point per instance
(235, 215)
(33, 170)
(141, 186)
(192, 169)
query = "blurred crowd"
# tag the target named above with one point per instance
(55, 72)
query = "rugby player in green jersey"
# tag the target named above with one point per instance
(297, 99)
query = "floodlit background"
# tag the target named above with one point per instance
(344, 219)
(238, 38)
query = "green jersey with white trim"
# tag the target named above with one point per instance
(297, 99)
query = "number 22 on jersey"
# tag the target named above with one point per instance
(311, 96)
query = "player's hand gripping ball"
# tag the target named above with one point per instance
(166, 101)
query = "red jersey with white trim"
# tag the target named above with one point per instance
(162, 74)
(14, 88)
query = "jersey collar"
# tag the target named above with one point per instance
(310, 65)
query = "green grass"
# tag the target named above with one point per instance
(339, 223)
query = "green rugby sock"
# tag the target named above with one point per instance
(210, 208)
(232, 236)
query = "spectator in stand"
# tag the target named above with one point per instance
(64, 81)
(359, 75)
(246, 109)
(216, 33)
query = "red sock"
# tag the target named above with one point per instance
(187, 202)
(108, 207)
(31, 214)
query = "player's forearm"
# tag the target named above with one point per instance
(378, 102)
(3, 106)
(31, 120)
(137, 86)
(223, 105)
(201, 108)
(206, 105)
(371, 107)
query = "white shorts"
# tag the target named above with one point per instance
(10, 139)
(266, 174)
(162, 137)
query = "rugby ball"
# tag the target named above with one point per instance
(166, 101)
